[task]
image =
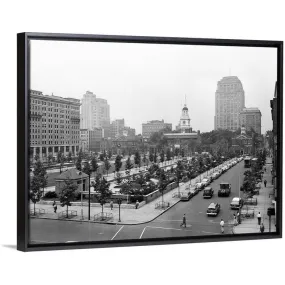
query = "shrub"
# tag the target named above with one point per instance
(50, 195)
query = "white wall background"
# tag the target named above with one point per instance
(250, 262)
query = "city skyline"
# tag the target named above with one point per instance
(136, 77)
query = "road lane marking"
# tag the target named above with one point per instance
(142, 232)
(117, 232)
(170, 228)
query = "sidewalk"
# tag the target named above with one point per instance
(264, 201)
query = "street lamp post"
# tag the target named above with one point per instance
(119, 201)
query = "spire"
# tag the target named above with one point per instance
(185, 100)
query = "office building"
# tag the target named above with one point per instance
(229, 102)
(153, 127)
(251, 119)
(54, 125)
(95, 112)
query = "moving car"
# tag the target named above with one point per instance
(208, 192)
(225, 189)
(236, 203)
(213, 209)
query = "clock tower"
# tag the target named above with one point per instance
(184, 123)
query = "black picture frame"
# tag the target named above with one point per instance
(23, 136)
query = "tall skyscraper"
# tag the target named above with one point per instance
(95, 112)
(229, 102)
(251, 119)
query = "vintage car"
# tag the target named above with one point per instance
(213, 209)
(208, 192)
(225, 189)
(236, 203)
(206, 181)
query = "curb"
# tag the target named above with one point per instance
(108, 223)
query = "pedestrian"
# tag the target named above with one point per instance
(54, 208)
(137, 204)
(53, 203)
(262, 228)
(265, 183)
(111, 204)
(235, 220)
(238, 218)
(264, 169)
(222, 224)
(183, 221)
(259, 218)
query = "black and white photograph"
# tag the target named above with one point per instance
(139, 141)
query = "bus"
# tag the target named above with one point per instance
(247, 162)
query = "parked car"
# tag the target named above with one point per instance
(208, 192)
(206, 181)
(200, 186)
(185, 196)
(213, 209)
(225, 189)
(236, 203)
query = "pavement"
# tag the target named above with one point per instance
(131, 216)
(264, 201)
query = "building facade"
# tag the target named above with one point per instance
(243, 143)
(91, 140)
(229, 102)
(251, 119)
(95, 112)
(117, 127)
(54, 125)
(154, 126)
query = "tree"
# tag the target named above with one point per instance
(162, 156)
(94, 164)
(162, 185)
(151, 157)
(40, 174)
(168, 154)
(35, 191)
(119, 178)
(144, 159)
(176, 151)
(128, 165)
(78, 163)
(182, 152)
(50, 159)
(118, 163)
(155, 158)
(138, 159)
(69, 156)
(179, 173)
(67, 194)
(60, 160)
(109, 154)
(103, 193)
(107, 165)
(101, 157)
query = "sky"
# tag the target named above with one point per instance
(144, 82)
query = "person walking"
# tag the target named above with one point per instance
(111, 204)
(262, 228)
(235, 220)
(137, 204)
(222, 224)
(183, 221)
(264, 169)
(259, 218)
(238, 217)
(54, 207)
(265, 182)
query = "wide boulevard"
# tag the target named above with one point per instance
(166, 225)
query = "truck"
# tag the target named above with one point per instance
(247, 162)
(225, 189)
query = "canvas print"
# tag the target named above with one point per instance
(132, 141)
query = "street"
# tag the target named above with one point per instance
(166, 225)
